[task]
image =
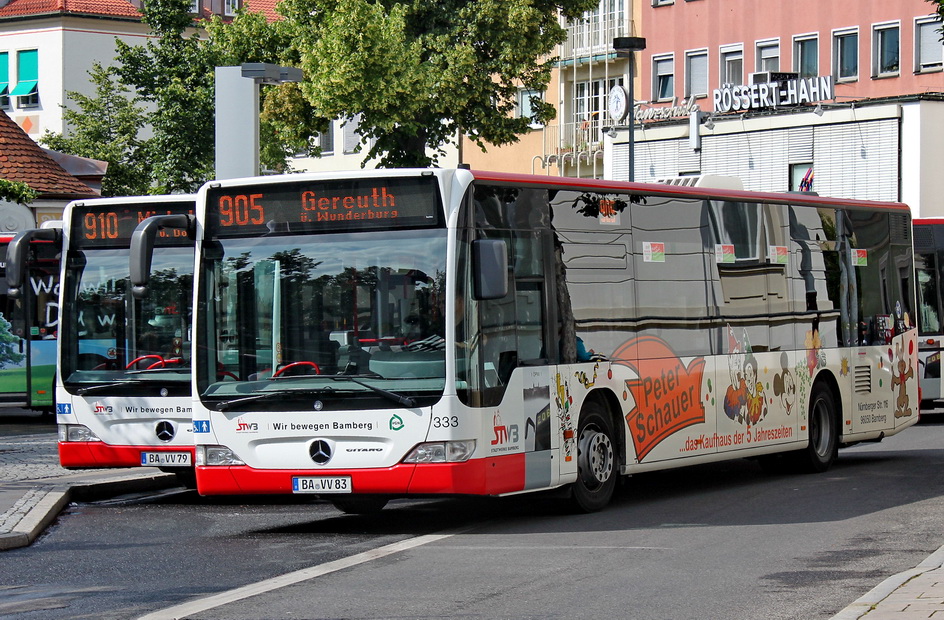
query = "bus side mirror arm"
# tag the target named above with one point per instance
(18, 255)
(142, 247)
(490, 266)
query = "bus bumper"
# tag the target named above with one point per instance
(489, 476)
(92, 454)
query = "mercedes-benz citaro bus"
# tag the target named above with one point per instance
(123, 386)
(375, 334)
(29, 324)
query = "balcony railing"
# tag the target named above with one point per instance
(593, 34)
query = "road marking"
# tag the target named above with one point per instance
(261, 587)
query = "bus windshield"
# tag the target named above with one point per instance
(348, 314)
(116, 338)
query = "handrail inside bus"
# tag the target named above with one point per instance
(142, 246)
(18, 255)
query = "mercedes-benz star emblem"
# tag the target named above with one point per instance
(165, 431)
(320, 451)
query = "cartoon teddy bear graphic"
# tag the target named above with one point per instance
(900, 381)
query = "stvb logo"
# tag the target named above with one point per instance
(100, 408)
(165, 431)
(320, 451)
(246, 427)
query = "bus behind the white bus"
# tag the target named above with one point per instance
(28, 325)
(929, 267)
(123, 387)
(378, 334)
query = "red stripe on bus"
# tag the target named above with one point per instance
(491, 476)
(97, 454)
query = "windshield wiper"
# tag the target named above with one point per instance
(405, 401)
(223, 405)
(104, 386)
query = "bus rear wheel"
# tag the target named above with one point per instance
(824, 435)
(596, 459)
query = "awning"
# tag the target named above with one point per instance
(24, 88)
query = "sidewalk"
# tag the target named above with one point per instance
(34, 489)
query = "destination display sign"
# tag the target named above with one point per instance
(324, 206)
(109, 225)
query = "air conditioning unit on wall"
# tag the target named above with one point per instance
(765, 77)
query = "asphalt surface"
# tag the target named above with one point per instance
(34, 489)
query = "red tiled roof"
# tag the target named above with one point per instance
(266, 7)
(111, 8)
(23, 160)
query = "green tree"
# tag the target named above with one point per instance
(107, 127)
(173, 73)
(416, 74)
(939, 9)
(17, 191)
(287, 122)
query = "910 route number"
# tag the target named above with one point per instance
(321, 484)
(446, 421)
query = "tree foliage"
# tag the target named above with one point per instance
(107, 127)
(417, 73)
(164, 89)
(17, 191)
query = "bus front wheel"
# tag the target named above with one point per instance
(596, 459)
(362, 505)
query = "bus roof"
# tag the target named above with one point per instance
(696, 192)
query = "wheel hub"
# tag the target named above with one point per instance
(595, 458)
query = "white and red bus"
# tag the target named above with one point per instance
(929, 267)
(377, 334)
(123, 385)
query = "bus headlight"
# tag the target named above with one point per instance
(76, 432)
(442, 452)
(216, 455)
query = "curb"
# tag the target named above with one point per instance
(57, 497)
(868, 601)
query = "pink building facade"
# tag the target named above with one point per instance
(871, 49)
(845, 99)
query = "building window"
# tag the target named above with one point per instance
(806, 56)
(27, 79)
(663, 78)
(885, 52)
(696, 74)
(325, 140)
(928, 49)
(230, 7)
(526, 105)
(4, 81)
(589, 104)
(768, 56)
(195, 6)
(846, 55)
(801, 177)
(352, 138)
(662, 2)
(732, 65)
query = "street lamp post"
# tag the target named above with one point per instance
(237, 115)
(624, 47)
